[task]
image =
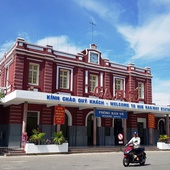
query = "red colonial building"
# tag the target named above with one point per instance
(100, 99)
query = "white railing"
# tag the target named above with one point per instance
(116, 65)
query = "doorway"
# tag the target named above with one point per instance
(32, 122)
(90, 130)
(141, 131)
(162, 127)
(117, 129)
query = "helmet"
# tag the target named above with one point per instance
(135, 133)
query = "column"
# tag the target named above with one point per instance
(58, 127)
(24, 121)
(125, 130)
(86, 81)
(94, 131)
(150, 136)
(167, 124)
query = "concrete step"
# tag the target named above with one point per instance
(93, 149)
(5, 151)
(105, 149)
(15, 153)
(74, 150)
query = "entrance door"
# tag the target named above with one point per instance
(32, 122)
(117, 129)
(162, 127)
(141, 132)
(90, 129)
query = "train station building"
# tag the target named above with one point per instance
(91, 99)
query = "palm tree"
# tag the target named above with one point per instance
(58, 138)
(37, 137)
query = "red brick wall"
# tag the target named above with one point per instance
(132, 120)
(130, 86)
(47, 115)
(148, 87)
(48, 77)
(79, 118)
(106, 122)
(79, 82)
(15, 114)
(107, 81)
(18, 72)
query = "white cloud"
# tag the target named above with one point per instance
(24, 35)
(5, 47)
(61, 43)
(150, 41)
(161, 2)
(108, 11)
(161, 95)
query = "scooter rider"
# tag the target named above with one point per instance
(136, 144)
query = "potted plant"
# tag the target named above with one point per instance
(163, 138)
(1, 96)
(58, 144)
(58, 138)
(37, 137)
(163, 142)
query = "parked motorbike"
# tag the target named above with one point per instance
(131, 157)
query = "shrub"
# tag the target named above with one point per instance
(1, 96)
(37, 137)
(58, 138)
(164, 138)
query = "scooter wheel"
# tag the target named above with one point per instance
(126, 162)
(143, 161)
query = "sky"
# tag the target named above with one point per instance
(125, 31)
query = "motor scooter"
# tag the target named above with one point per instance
(131, 157)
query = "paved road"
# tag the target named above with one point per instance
(156, 160)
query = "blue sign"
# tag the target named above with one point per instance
(110, 114)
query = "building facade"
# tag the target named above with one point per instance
(35, 79)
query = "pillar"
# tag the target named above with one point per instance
(167, 124)
(24, 121)
(94, 131)
(125, 130)
(58, 127)
(151, 136)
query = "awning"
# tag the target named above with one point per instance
(33, 97)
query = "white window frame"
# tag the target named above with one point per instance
(93, 52)
(119, 84)
(37, 113)
(37, 76)
(122, 84)
(7, 66)
(91, 89)
(7, 77)
(70, 70)
(63, 77)
(140, 90)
